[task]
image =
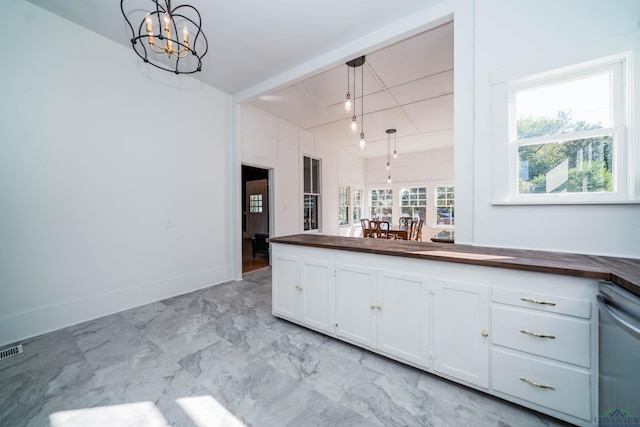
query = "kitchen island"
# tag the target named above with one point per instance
(520, 325)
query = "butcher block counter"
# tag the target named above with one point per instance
(625, 272)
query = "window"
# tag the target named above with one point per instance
(357, 206)
(311, 196)
(255, 203)
(567, 134)
(343, 205)
(445, 213)
(413, 203)
(381, 202)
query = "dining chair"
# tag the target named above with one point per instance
(412, 230)
(405, 222)
(383, 229)
(417, 233)
(375, 228)
(366, 228)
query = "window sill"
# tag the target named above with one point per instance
(560, 202)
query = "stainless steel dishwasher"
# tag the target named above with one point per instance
(619, 356)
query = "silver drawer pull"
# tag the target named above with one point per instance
(538, 302)
(533, 334)
(535, 384)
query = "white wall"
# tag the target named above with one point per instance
(272, 143)
(509, 34)
(99, 154)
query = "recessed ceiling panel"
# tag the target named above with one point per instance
(420, 56)
(432, 114)
(296, 107)
(425, 88)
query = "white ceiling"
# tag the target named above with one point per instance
(408, 85)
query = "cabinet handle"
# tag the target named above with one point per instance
(379, 307)
(373, 306)
(538, 302)
(535, 384)
(485, 333)
(533, 334)
(299, 287)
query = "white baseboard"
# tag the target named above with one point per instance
(20, 326)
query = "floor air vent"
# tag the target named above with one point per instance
(11, 351)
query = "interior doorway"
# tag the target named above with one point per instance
(255, 217)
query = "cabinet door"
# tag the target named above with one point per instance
(317, 295)
(461, 321)
(401, 315)
(356, 304)
(285, 286)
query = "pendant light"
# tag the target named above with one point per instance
(389, 133)
(362, 144)
(354, 63)
(395, 145)
(347, 100)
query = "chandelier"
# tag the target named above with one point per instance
(156, 39)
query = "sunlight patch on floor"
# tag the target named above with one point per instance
(127, 414)
(205, 411)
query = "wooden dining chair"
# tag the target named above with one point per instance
(405, 222)
(416, 232)
(412, 230)
(383, 229)
(375, 228)
(366, 228)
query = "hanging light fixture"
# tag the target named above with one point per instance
(159, 27)
(395, 145)
(355, 63)
(389, 133)
(347, 100)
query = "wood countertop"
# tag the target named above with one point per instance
(625, 272)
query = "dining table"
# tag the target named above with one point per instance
(400, 232)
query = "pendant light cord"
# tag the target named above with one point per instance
(361, 98)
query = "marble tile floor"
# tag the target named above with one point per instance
(218, 357)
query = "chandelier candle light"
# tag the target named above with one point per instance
(181, 55)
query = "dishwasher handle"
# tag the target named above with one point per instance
(605, 308)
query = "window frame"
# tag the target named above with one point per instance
(346, 205)
(424, 206)
(617, 130)
(625, 159)
(450, 206)
(255, 203)
(357, 206)
(388, 192)
(312, 185)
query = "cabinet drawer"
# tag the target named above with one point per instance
(570, 393)
(548, 303)
(564, 339)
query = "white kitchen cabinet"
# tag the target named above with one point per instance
(386, 311)
(543, 348)
(356, 304)
(461, 331)
(403, 312)
(527, 337)
(303, 291)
